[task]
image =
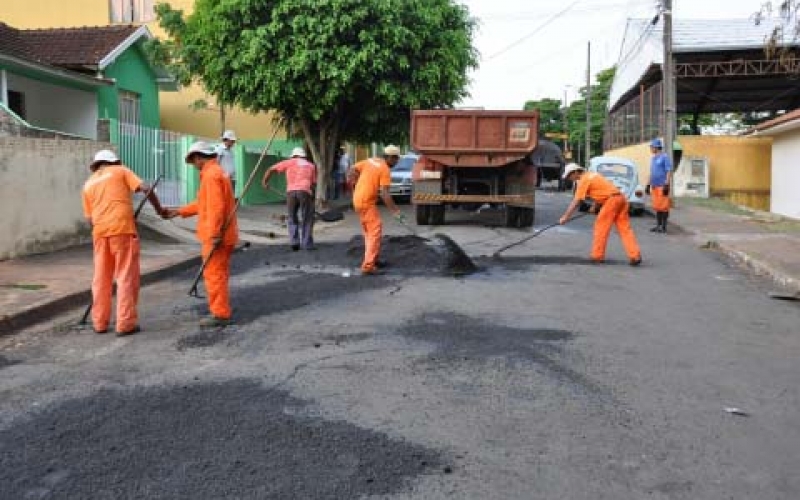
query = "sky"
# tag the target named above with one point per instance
(530, 49)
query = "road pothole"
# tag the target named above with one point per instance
(202, 441)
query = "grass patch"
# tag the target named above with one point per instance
(716, 204)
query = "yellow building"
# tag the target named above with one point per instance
(178, 111)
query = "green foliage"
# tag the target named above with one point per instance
(552, 120)
(551, 114)
(337, 69)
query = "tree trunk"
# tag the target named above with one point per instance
(322, 141)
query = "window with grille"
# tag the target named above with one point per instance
(129, 112)
(132, 11)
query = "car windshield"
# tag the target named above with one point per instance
(615, 170)
(406, 164)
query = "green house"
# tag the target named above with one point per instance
(67, 80)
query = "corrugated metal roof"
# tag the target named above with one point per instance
(643, 44)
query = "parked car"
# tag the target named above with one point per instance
(402, 185)
(624, 174)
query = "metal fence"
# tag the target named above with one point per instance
(639, 120)
(151, 153)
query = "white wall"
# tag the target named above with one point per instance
(41, 182)
(786, 174)
(57, 108)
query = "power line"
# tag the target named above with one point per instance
(549, 21)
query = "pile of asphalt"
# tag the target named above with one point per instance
(440, 255)
(202, 441)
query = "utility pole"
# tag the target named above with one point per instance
(566, 123)
(588, 149)
(670, 98)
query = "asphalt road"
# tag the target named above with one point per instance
(539, 377)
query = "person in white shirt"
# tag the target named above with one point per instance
(341, 172)
(225, 156)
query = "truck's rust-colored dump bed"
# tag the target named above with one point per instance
(467, 138)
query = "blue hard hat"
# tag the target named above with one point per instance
(656, 143)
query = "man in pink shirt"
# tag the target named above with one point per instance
(301, 179)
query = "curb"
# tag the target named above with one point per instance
(757, 266)
(13, 323)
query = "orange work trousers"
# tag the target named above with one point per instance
(614, 213)
(661, 202)
(215, 277)
(116, 258)
(372, 228)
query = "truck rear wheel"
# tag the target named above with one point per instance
(526, 216)
(423, 215)
(512, 217)
(437, 215)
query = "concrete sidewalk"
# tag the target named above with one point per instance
(34, 288)
(767, 244)
(37, 287)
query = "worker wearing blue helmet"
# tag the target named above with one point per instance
(658, 188)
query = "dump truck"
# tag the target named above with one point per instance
(470, 158)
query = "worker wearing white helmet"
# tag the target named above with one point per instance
(301, 181)
(372, 179)
(108, 208)
(217, 229)
(226, 155)
(611, 208)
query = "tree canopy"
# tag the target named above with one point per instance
(337, 69)
(551, 112)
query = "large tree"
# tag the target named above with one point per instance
(551, 115)
(336, 69)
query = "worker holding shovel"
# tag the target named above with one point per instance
(613, 212)
(372, 178)
(301, 179)
(217, 229)
(108, 209)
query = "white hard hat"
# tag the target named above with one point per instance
(391, 150)
(229, 135)
(202, 148)
(298, 152)
(572, 167)
(106, 156)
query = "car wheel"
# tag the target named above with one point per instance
(423, 215)
(637, 212)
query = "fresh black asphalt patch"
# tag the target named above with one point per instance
(203, 441)
(460, 339)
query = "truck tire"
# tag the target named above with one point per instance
(526, 216)
(423, 214)
(437, 215)
(512, 217)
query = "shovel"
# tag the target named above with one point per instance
(532, 236)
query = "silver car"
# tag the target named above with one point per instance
(401, 177)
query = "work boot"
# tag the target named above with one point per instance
(635, 262)
(214, 322)
(659, 222)
(381, 264)
(295, 248)
(135, 329)
(371, 272)
(100, 331)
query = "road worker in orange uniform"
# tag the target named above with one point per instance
(108, 208)
(372, 179)
(613, 212)
(215, 206)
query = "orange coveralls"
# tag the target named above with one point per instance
(107, 203)
(614, 213)
(214, 205)
(661, 202)
(373, 175)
